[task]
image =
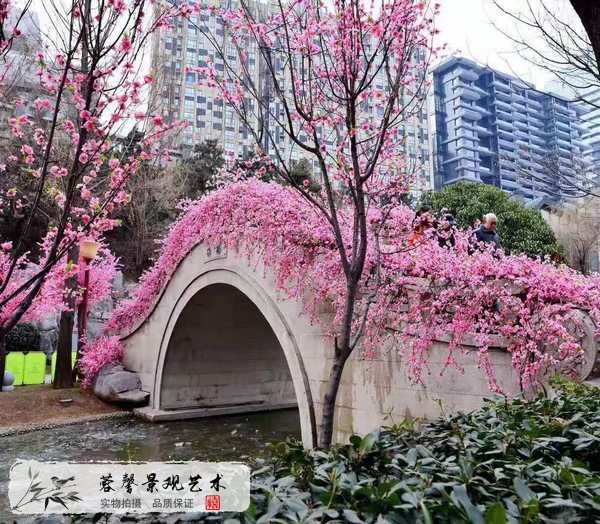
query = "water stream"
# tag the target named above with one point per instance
(237, 437)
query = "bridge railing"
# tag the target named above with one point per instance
(582, 327)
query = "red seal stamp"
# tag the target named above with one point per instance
(213, 503)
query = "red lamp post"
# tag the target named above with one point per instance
(87, 251)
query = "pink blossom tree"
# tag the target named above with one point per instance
(89, 91)
(343, 79)
(411, 294)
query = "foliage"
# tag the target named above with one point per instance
(103, 350)
(23, 337)
(263, 168)
(62, 152)
(507, 462)
(258, 166)
(201, 168)
(54, 297)
(339, 81)
(432, 290)
(522, 230)
(301, 175)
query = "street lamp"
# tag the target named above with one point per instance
(87, 251)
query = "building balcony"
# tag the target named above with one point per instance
(483, 131)
(522, 135)
(509, 185)
(467, 74)
(563, 110)
(537, 140)
(504, 96)
(535, 119)
(472, 87)
(503, 124)
(562, 142)
(467, 94)
(562, 124)
(501, 86)
(469, 114)
(505, 106)
(504, 115)
(520, 99)
(533, 105)
(536, 148)
(563, 133)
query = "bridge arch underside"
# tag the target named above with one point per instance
(223, 353)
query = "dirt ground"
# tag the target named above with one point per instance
(34, 406)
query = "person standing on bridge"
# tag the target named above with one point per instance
(486, 232)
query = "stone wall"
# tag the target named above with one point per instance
(238, 363)
(576, 225)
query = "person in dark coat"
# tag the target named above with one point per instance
(486, 232)
(445, 230)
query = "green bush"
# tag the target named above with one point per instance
(521, 229)
(516, 461)
(23, 337)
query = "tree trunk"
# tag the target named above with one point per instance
(2, 359)
(333, 385)
(63, 375)
(82, 314)
(589, 14)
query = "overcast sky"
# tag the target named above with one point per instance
(467, 26)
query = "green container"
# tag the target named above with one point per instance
(15, 363)
(35, 368)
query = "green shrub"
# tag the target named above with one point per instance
(23, 337)
(521, 229)
(516, 461)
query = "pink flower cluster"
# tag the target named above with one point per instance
(102, 351)
(412, 294)
(52, 298)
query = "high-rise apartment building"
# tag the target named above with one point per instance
(20, 85)
(494, 128)
(178, 95)
(590, 107)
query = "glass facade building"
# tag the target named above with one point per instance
(494, 128)
(591, 134)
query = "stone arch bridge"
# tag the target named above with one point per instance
(221, 340)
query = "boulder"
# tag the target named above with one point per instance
(48, 329)
(117, 385)
(7, 383)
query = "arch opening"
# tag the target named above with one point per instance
(223, 353)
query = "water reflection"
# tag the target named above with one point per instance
(236, 437)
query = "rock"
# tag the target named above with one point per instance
(9, 379)
(117, 385)
(48, 329)
(7, 383)
(137, 397)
